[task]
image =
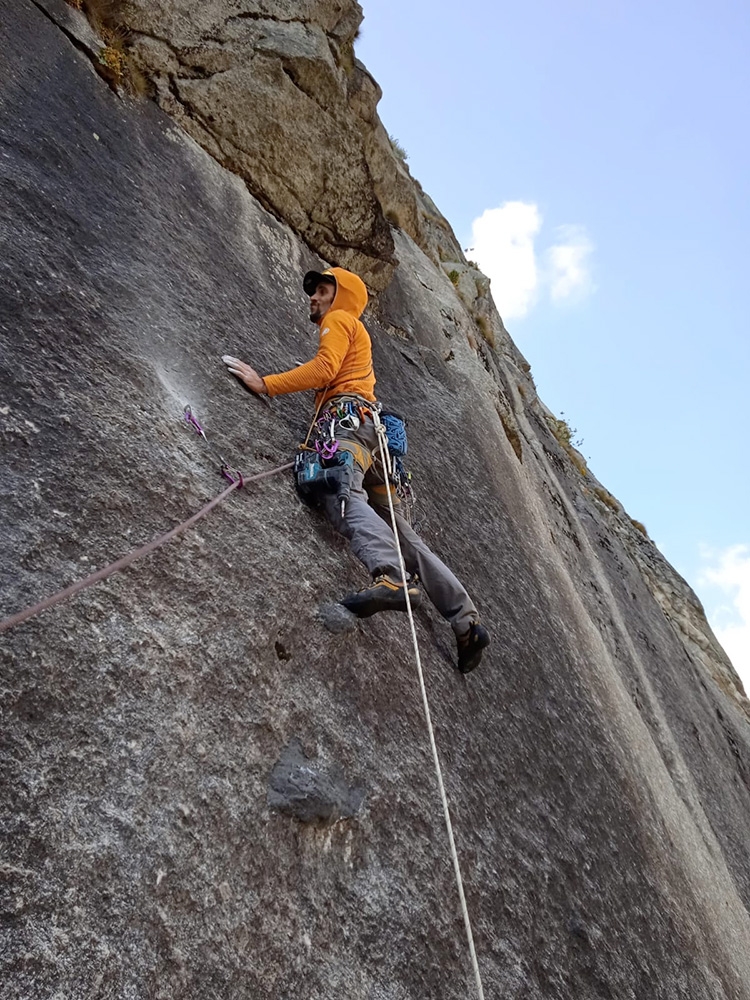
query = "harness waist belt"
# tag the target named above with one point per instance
(346, 397)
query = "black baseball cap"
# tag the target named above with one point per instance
(313, 278)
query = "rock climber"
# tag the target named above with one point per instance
(343, 366)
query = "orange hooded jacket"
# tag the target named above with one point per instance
(343, 363)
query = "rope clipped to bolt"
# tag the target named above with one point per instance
(237, 481)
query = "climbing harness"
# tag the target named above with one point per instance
(325, 466)
(344, 412)
(383, 444)
(237, 481)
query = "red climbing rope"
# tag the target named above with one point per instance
(115, 567)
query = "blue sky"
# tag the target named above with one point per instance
(605, 147)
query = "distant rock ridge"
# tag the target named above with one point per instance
(213, 785)
(273, 91)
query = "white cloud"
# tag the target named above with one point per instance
(503, 244)
(568, 265)
(729, 571)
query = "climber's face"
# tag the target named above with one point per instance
(321, 300)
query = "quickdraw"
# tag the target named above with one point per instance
(402, 481)
(233, 475)
(347, 414)
(326, 449)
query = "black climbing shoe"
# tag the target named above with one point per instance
(470, 646)
(383, 594)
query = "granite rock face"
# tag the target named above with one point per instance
(212, 786)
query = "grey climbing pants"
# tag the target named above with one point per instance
(367, 525)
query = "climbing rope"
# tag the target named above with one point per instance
(115, 567)
(385, 459)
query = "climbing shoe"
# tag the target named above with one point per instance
(470, 646)
(383, 594)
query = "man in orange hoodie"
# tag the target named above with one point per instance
(341, 372)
